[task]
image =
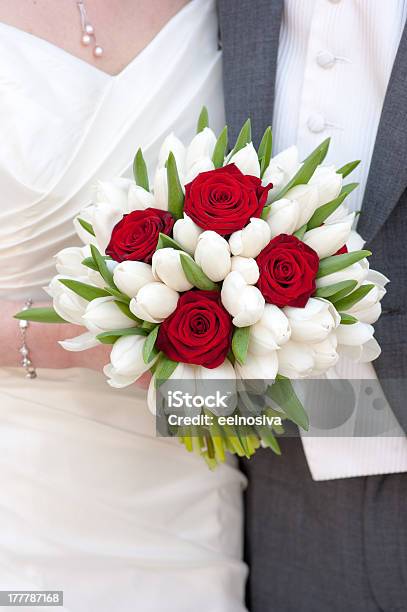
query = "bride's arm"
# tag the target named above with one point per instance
(42, 340)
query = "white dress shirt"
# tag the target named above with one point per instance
(334, 63)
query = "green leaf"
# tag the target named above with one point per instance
(240, 343)
(175, 192)
(282, 392)
(337, 288)
(110, 337)
(126, 310)
(327, 209)
(39, 315)
(328, 265)
(148, 326)
(165, 242)
(269, 440)
(347, 319)
(165, 367)
(86, 226)
(308, 167)
(265, 212)
(89, 262)
(195, 274)
(219, 151)
(265, 148)
(245, 136)
(203, 120)
(118, 295)
(348, 168)
(149, 350)
(301, 231)
(140, 171)
(353, 298)
(102, 267)
(85, 291)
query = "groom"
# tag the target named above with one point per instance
(327, 531)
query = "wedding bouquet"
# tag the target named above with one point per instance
(231, 266)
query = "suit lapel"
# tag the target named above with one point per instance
(388, 170)
(250, 32)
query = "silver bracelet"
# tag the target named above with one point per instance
(26, 362)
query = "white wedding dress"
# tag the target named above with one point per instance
(91, 501)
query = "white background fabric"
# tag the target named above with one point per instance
(91, 501)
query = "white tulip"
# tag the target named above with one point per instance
(174, 145)
(201, 165)
(246, 160)
(139, 199)
(130, 276)
(368, 309)
(355, 242)
(252, 239)
(86, 214)
(126, 361)
(102, 314)
(330, 237)
(244, 302)
(281, 169)
(325, 354)
(258, 367)
(338, 214)
(67, 304)
(222, 378)
(167, 268)
(201, 146)
(365, 353)
(83, 342)
(328, 183)
(247, 267)
(356, 342)
(296, 360)
(307, 198)
(105, 218)
(314, 322)
(160, 189)
(283, 217)
(183, 371)
(114, 193)
(357, 271)
(68, 262)
(154, 302)
(186, 233)
(270, 332)
(212, 254)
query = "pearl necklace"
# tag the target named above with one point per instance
(88, 31)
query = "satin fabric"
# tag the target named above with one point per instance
(91, 501)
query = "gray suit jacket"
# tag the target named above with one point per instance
(249, 31)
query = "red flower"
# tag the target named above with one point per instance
(135, 237)
(342, 250)
(225, 199)
(199, 331)
(288, 268)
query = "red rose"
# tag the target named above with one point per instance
(288, 268)
(342, 250)
(135, 237)
(225, 199)
(199, 331)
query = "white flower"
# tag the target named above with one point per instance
(67, 304)
(281, 169)
(154, 302)
(328, 183)
(167, 268)
(283, 217)
(130, 276)
(106, 216)
(223, 379)
(307, 198)
(369, 309)
(246, 160)
(247, 267)
(357, 271)
(83, 342)
(201, 165)
(330, 237)
(68, 262)
(139, 198)
(114, 193)
(86, 214)
(244, 302)
(258, 367)
(356, 341)
(126, 361)
(314, 322)
(252, 239)
(186, 233)
(325, 354)
(175, 146)
(201, 147)
(183, 371)
(102, 314)
(160, 189)
(355, 241)
(212, 254)
(296, 360)
(270, 332)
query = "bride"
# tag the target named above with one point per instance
(91, 501)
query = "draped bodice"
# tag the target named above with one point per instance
(66, 124)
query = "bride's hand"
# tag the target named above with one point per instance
(42, 340)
